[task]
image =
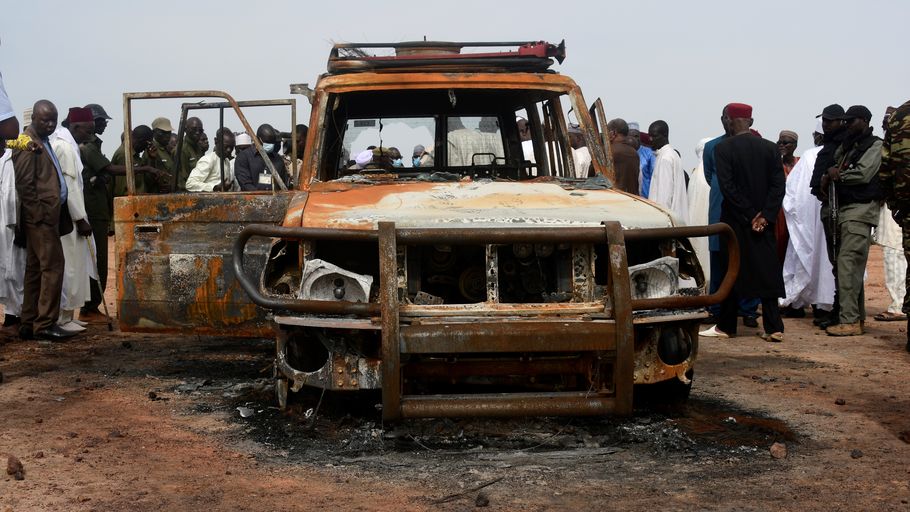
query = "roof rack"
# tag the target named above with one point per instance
(415, 56)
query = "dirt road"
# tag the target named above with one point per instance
(113, 422)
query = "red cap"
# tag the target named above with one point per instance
(645, 138)
(753, 131)
(739, 111)
(80, 115)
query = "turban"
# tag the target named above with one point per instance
(739, 111)
(789, 134)
(80, 115)
(574, 128)
(645, 139)
(634, 126)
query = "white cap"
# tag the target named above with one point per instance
(818, 126)
(243, 139)
(364, 157)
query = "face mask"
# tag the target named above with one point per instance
(397, 163)
(416, 161)
(268, 147)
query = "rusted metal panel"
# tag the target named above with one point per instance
(482, 204)
(505, 337)
(175, 269)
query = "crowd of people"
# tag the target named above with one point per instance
(804, 225)
(56, 201)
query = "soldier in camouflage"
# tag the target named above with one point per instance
(894, 177)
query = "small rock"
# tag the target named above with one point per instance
(245, 412)
(39, 454)
(904, 436)
(840, 401)
(115, 434)
(78, 458)
(71, 435)
(14, 467)
(482, 500)
(228, 472)
(39, 420)
(856, 454)
(779, 451)
(153, 395)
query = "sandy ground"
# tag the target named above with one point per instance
(113, 422)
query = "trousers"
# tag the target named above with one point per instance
(855, 237)
(43, 276)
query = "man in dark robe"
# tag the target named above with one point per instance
(752, 183)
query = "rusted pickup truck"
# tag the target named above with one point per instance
(487, 274)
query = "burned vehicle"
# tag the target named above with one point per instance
(488, 274)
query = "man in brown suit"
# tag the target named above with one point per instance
(42, 192)
(626, 162)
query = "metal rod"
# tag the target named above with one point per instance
(388, 296)
(622, 316)
(220, 158)
(512, 404)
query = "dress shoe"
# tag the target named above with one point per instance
(791, 312)
(26, 333)
(10, 320)
(750, 321)
(855, 329)
(54, 333)
(828, 322)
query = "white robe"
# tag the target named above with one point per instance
(78, 266)
(807, 271)
(888, 234)
(668, 183)
(581, 157)
(12, 258)
(698, 193)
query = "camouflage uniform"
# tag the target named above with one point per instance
(894, 177)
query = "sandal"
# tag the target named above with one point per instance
(775, 337)
(888, 316)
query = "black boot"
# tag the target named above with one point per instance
(10, 320)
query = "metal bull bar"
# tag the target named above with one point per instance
(612, 337)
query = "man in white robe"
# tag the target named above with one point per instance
(808, 278)
(698, 193)
(12, 257)
(79, 265)
(668, 183)
(888, 234)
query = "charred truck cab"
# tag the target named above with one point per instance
(444, 245)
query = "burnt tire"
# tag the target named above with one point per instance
(671, 392)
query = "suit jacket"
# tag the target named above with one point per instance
(38, 187)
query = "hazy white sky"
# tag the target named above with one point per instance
(647, 60)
